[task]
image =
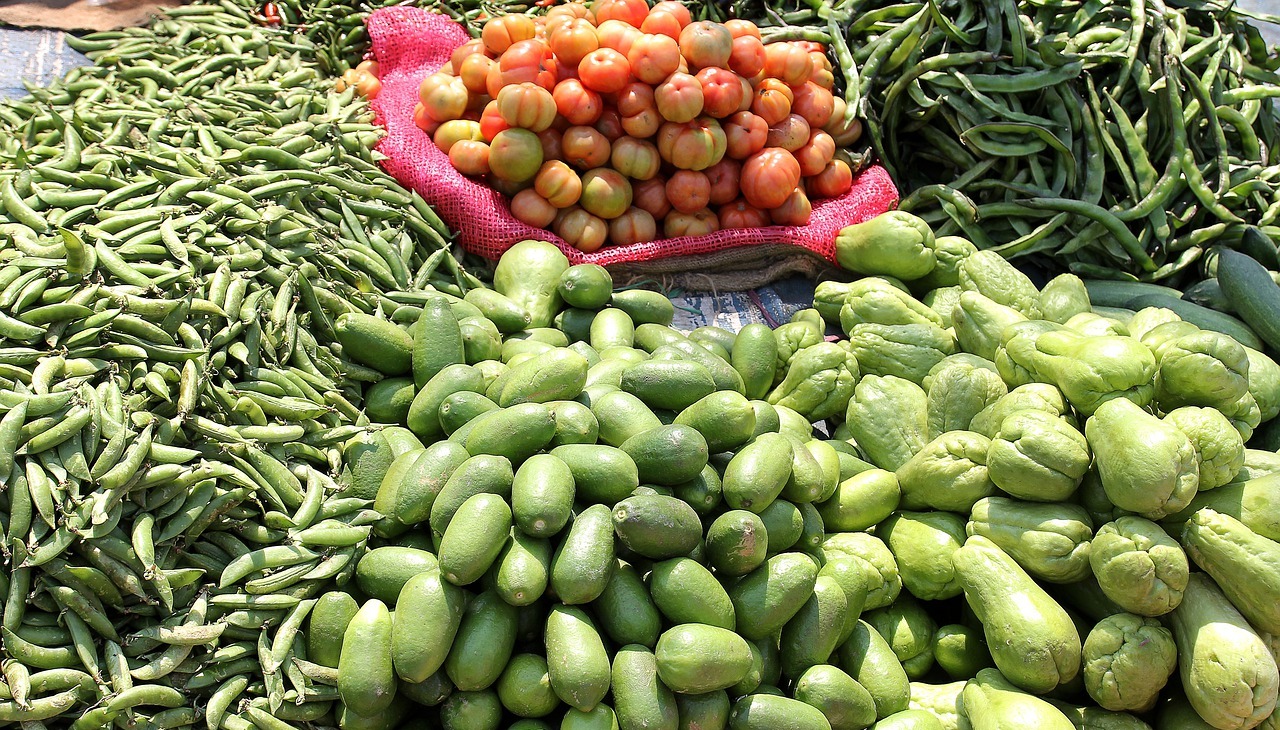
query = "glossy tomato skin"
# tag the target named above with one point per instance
(470, 157)
(573, 40)
(794, 211)
(698, 223)
(605, 70)
(453, 131)
(422, 121)
(651, 197)
(527, 106)
(704, 43)
(584, 147)
(814, 103)
(816, 154)
(688, 190)
(491, 122)
(475, 72)
(581, 230)
(634, 97)
(725, 178)
(679, 98)
(823, 75)
(605, 193)
(636, 225)
(788, 62)
(745, 134)
(610, 125)
(662, 21)
(768, 177)
(694, 145)
(501, 31)
(631, 12)
(529, 207)
(550, 139)
(721, 91)
(835, 180)
(576, 103)
(747, 56)
(443, 97)
(790, 134)
(568, 11)
(845, 134)
(558, 183)
(653, 58)
(636, 158)
(770, 104)
(677, 9)
(515, 155)
(738, 28)
(530, 61)
(643, 124)
(462, 52)
(739, 213)
(617, 35)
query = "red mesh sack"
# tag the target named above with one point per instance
(411, 43)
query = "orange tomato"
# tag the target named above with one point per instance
(636, 225)
(576, 103)
(631, 12)
(475, 72)
(605, 193)
(770, 104)
(745, 134)
(634, 97)
(573, 40)
(663, 22)
(694, 145)
(794, 211)
(739, 28)
(721, 91)
(790, 134)
(462, 52)
(568, 11)
(581, 230)
(527, 106)
(688, 190)
(643, 124)
(814, 103)
(443, 97)
(651, 196)
(367, 85)
(844, 134)
(822, 74)
(725, 177)
(617, 35)
(500, 32)
(604, 70)
(558, 183)
(679, 98)
(698, 223)
(451, 132)
(769, 176)
(674, 8)
(705, 43)
(741, 214)
(424, 122)
(515, 155)
(529, 207)
(491, 122)
(525, 61)
(636, 158)
(584, 147)
(816, 154)
(470, 157)
(835, 180)
(654, 58)
(788, 62)
(748, 94)
(747, 56)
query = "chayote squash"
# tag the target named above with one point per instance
(949, 473)
(861, 501)
(979, 322)
(942, 701)
(1038, 456)
(1138, 566)
(872, 301)
(1245, 565)
(1145, 320)
(992, 701)
(1128, 659)
(819, 381)
(1264, 383)
(1244, 414)
(1094, 499)
(1049, 541)
(1087, 717)
(1146, 465)
(907, 351)
(886, 583)
(991, 275)
(1015, 354)
(949, 251)
(889, 418)
(943, 301)
(1063, 298)
(1093, 370)
(1255, 503)
(869, 659)
(959, 391)
(1202, 369)
(1219, 448)
(908, 628)
(894, 243)
(922, 544)
(1033, 396)
(793, 337)
(529, 275)
(1091, 324)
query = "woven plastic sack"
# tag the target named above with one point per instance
(411, 43)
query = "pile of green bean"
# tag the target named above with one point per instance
(1114, 139)
(180, 225)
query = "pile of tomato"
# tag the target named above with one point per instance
(623, 123)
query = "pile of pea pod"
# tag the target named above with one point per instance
(1114, 139)
(182, 222)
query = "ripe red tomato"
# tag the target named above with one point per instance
(738, 28)
(834, 180)
(636, 158)
(449, 133)
(721, 91)
(443, 97)
(576, 103)
(605, 193)
(816, 154)
(748, 94)
(771, 105)
(724, 177)
(688, 190)
(654, 58)
(769, 176)
(500, 32)
(794, 211)
(604, 70)
(610, 124)
(581, 230)
(572, 40)
(515, 155)
(634, 97)
(705, 43)
(677, 9)
(491, 122)
(550, 139)
(584, 147)
(679, 98)
(643, 124)
(651, 196)
(698, 223)
(470, 157)
(530, 61)
(617, 35)
(529, 207)
(460, 54)
(663, 21)
(741, 214)
(636, 225)
(694, 145)
(631, 12)
(527, 106)
(790, 134)
(814, 103)
(745, 135)
(788, 62)
(747, 56)
(558, 183)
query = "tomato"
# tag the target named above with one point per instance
(550, 139)
(654, 58)
(771, 105)
(529, 207)
(515, 154)
(812, 46)
(643, 124)
(745, 135)
(558, 183)
(814, 103)
(694, 145)
(524, 61)
(835, 180)
(747, 56)
(636, 225)
(698, 223)
(794, 211)
(491, 122)
(617, 35)
(573, 40)
(500, 32)
(741, 214)
(724, 177)
(788, 62)
(634, 97)
(605, 193)
(584, 147)
(475, 72)
(823, 75)
(663, 22)
(678, 10)
(772, 84)
(475, 106)
(576, 103)
(651, 196)
(748, 94)
(739, 28)
(508, 188)
(580, 229)
(568, 11)
(631, 12)
(688, 190)
(367, 85)
(790, 134)
(443, 97)
(845, 135)
(721, 91)
(679, 98)
(816, 154)
(636, 158)
(449, 133)
(705, 43)
(527, 106)
(424, 122)
(604, 70)
(465, 51)
(769, 176)
(610, 124)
